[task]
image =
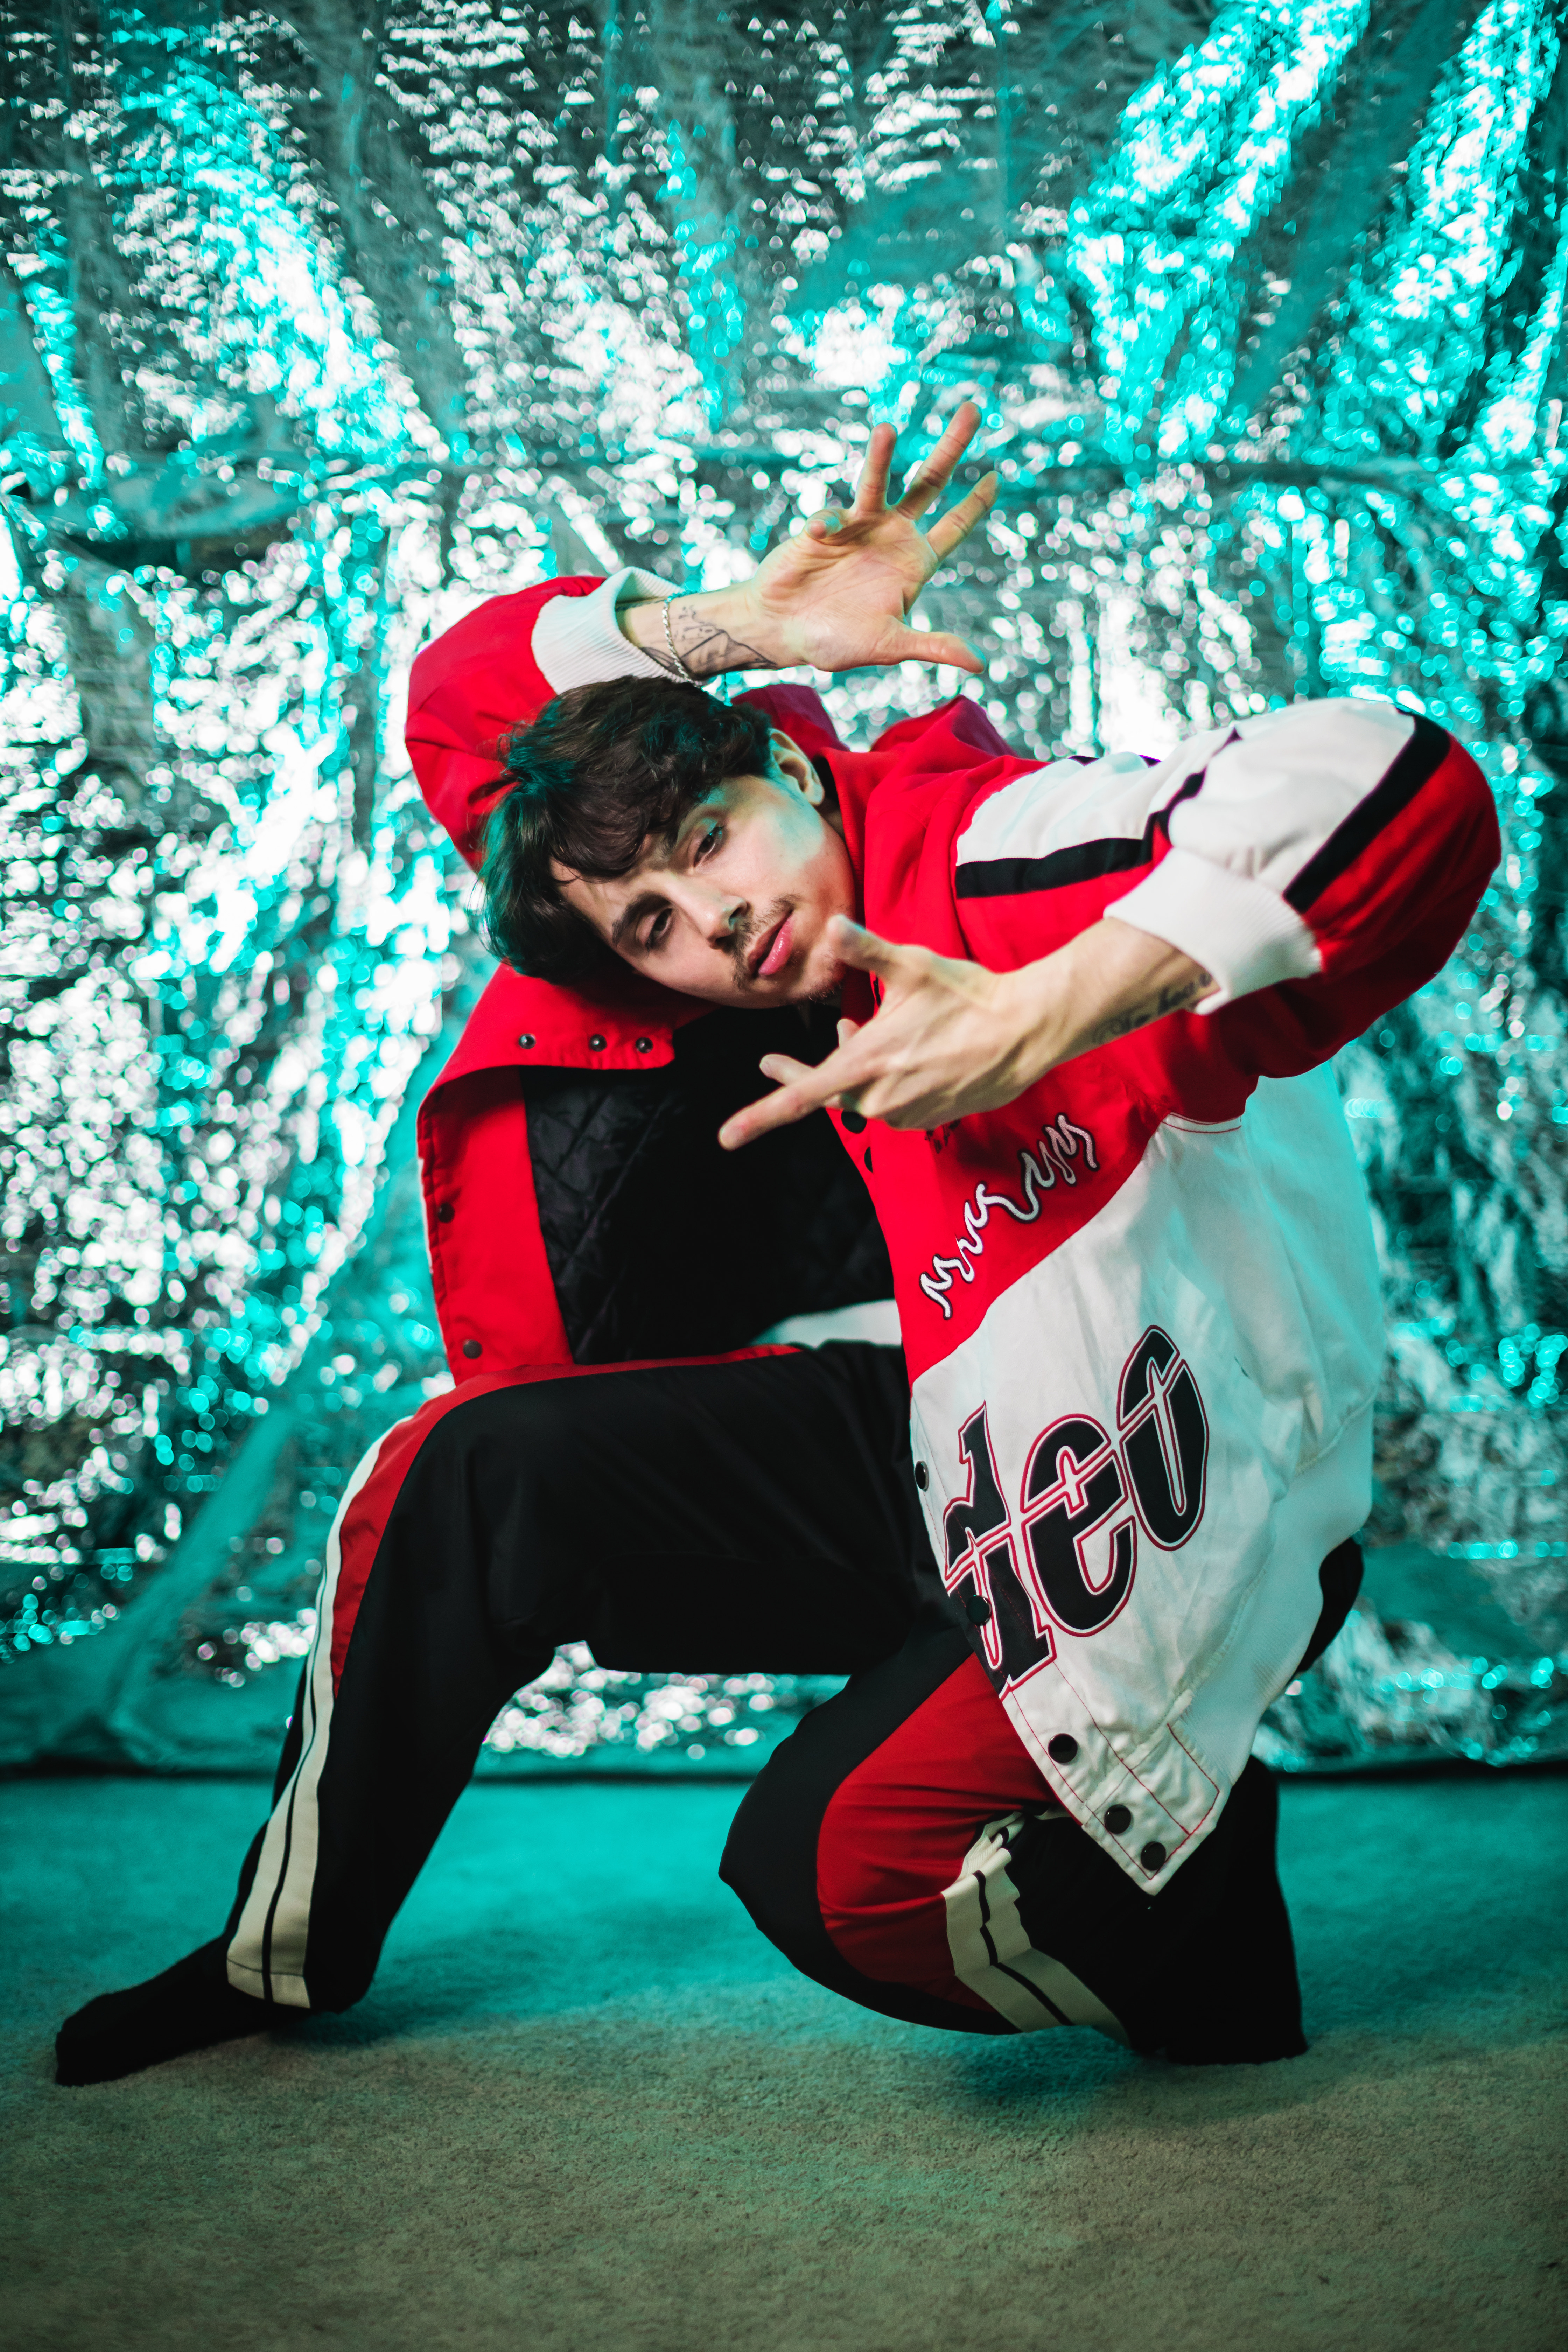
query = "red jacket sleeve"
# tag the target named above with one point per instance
(1323, 861)
(1387, 898)
(470, 689)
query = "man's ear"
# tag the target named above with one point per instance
(791, 761)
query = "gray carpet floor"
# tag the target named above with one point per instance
(586, 2105)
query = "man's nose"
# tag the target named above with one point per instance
(717, 914)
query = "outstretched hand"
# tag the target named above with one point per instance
(838, 594)
(950, 1038)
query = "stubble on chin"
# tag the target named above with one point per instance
(826, 992)
(826, 988)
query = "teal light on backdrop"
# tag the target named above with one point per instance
(317, 325)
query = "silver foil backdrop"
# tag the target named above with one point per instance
(319, 324)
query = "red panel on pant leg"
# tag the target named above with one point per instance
(897, 1828)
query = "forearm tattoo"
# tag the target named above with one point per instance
(1138, 1016)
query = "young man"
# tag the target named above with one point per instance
(1079, 1069)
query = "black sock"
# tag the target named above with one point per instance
(189, 2007)
(1233, 1997)
(1204, 1973)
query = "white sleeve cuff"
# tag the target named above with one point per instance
(577, 640)
(1235, 926)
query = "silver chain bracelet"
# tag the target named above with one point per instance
(670, 638)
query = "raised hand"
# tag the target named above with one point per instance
(839, 593)
(950, 1038)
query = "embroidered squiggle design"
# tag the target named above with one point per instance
(1059, 1146)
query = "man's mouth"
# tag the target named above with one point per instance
(772, 951)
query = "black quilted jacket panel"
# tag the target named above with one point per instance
(661, 1245)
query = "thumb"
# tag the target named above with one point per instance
(932, 645)
(847, 1029)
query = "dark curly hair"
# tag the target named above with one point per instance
(602, 769)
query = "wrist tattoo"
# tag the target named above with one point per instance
(696, 648)
(1154, 1008)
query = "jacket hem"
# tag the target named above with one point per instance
(577, 640)
(1174, 1785)
(1234, 926)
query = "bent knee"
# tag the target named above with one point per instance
(882, 1898)
(525, 1444)
(860, 1874)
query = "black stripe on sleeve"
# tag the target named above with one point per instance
(1415, 765)
(1083, 861)
(998, 878)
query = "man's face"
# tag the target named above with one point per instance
(735, 909)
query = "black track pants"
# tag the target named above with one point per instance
(746, 1513)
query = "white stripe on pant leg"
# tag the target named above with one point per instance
(286, 1872)
(992, 1953)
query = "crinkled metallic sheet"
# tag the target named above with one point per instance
(318, 326)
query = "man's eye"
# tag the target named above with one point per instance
(710, 840)
(659, 929)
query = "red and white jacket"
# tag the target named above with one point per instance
(1140, 1305)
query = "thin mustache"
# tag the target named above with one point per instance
(741, 944)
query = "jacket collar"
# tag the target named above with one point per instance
(616, 1024)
